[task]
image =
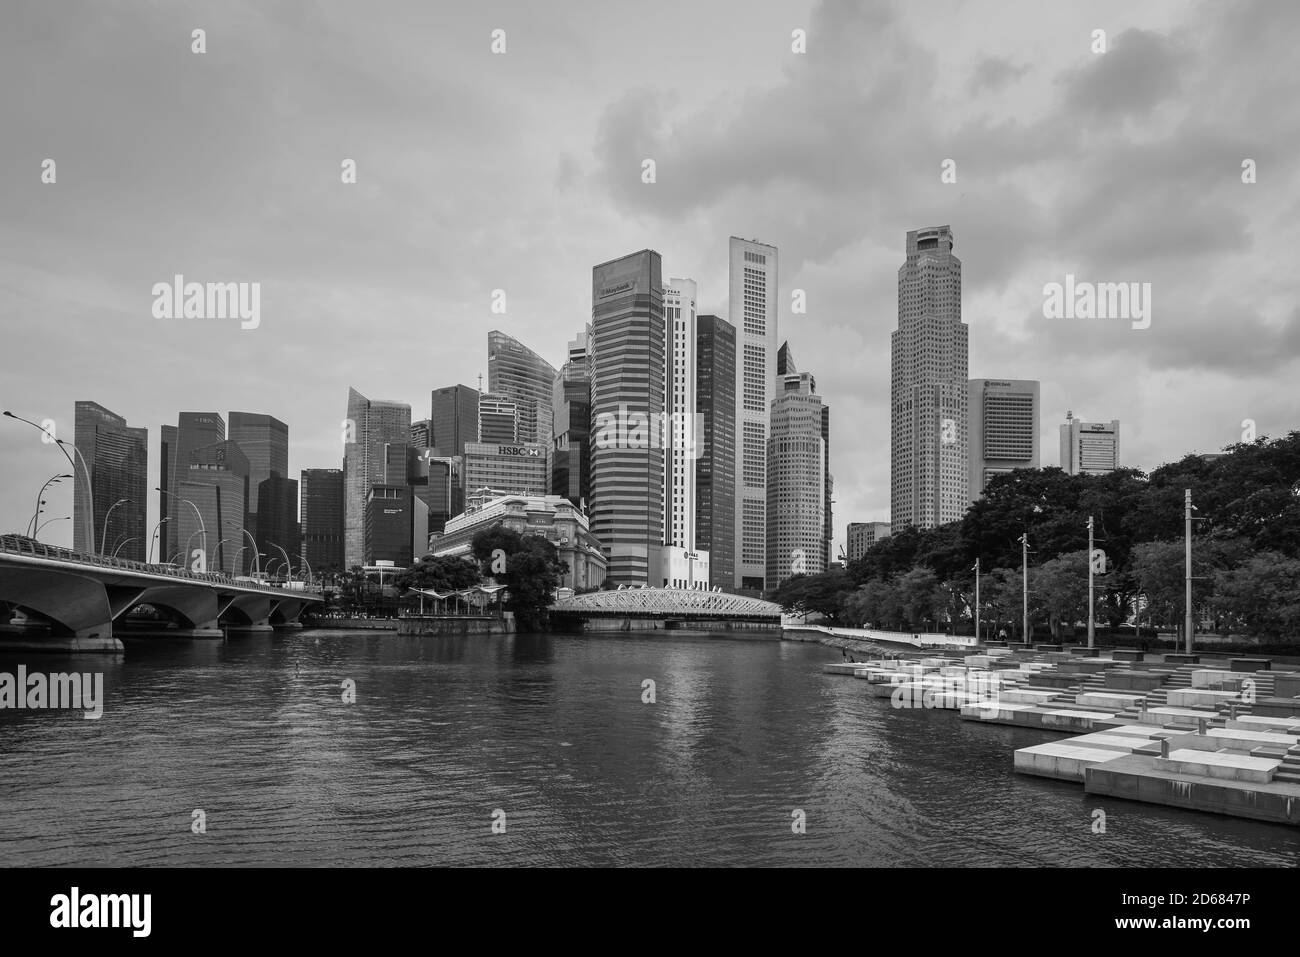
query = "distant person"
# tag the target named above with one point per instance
(1002, 635)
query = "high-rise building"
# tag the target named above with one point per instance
(1003, 428)
(422, 434)
(117, 458)
(686, 567)
(194, 430)
(715, 469)
(498, 419)
(371, 424)
(277, 531)
(627, 387)
(796, 483)
(444, 491)
(264, 439)
(513, 468)
(828, 493)
(216, 481)
(453, 419)
(928, 380)
(571, 447)
(862, 535)
(518, 373)
(752, 275)
(1090, 448)
(784, 361)
(389, 525)
(322, 520)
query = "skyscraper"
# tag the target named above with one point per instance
(627, 386)
(928, 382)
(518, 373)
(571, 447)
(715, 469)
(862, 535)
(370, 426)
(680, 439)
(453, 418)
(513, 468)
(422, 434)
(216, 481)
(322, 520)
(796, 484)
(1090, 448)
(752, 274)
(1003, 428)
(276, 524)
(265, 440)
(117, 457)
(194, 430)
(498, 419)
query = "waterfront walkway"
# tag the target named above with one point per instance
(1211, 734)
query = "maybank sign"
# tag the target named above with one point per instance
(619, 288)
(518, 450)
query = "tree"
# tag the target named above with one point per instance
(441, 574)
(916, 595)
(1261, 595)
(875, 603)
(532, 571)
(1061, 589)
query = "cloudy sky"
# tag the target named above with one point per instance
(519, 171)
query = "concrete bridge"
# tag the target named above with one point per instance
(632, 609)
(62, 600)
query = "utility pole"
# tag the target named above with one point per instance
(1024, 587)
(1092, 635)
(977, 601)
(1187, 550)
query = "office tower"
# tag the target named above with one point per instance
(216, 481)
(276, 523)
(422, 434)
(444, 491)
(453, 419)
(828, 528)
(928, 418)
(516, 469)
(862, 535)
(519, 374)
(370, 426)
(685, 566)
(796, 482)
(498, 419)
(1090, 448)
(390, 525)
(785, 361)
(715, 469)
(117, 459)
(193, 430)
(571, 447)
(627, 386)
(264, 439)
(1003, 428)
(752, 274)
(322, 520)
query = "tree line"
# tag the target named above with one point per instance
(1246, 553)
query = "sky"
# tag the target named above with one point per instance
(518, 171)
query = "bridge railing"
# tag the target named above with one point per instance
(22, 545)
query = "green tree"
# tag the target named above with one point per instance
(1261, 595)
(532, 572)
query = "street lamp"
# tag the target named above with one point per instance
(257, 565)
(71, 464)
(103, 537)
(119, 547)
(61, 518)
(197, 514)
(90, 489)
(53, 480)
(154, 537)
(288, 566)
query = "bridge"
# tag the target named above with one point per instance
(68, 601)
(630, 609)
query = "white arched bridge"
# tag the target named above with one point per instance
(71, 601)
(672, 606)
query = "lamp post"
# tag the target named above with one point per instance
(154, 537)
(257, 565)
(90, 489)
(61, 518)
(1024, 586)
(53, 480)
(197, 514)
(977, 601)
(287, 565)
(1092, 631)
(71, 464)
(1187, 551)
(119, 547)
(103, 537)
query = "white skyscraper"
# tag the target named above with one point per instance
(682, 563)
(752, 276)
(1089, 447)
(1003, 428)
(928, 430)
